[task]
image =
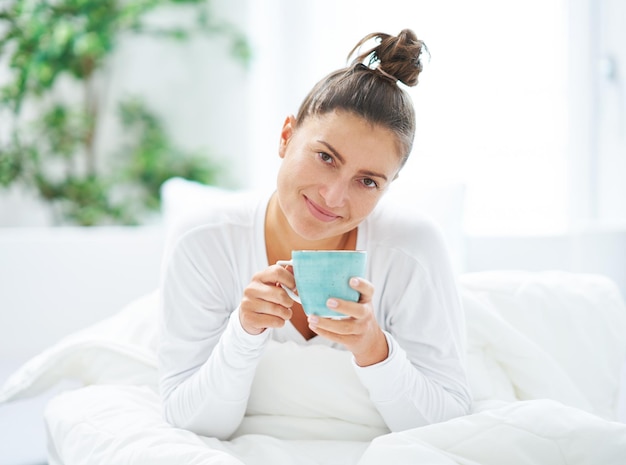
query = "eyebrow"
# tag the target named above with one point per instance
(343, 160)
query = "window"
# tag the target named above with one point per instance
(492, 103)
(598, 111)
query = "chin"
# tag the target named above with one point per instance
(324, 231)
(312, 229)
(313, 232)
(310, 235)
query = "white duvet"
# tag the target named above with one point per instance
(544, 351)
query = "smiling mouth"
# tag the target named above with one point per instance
(319, 213)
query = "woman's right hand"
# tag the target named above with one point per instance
(265, 303)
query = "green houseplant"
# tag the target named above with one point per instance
(49, 141)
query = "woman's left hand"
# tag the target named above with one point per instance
(360, 333)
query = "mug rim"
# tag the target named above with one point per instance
(331, 250)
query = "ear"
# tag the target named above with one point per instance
(285, 134)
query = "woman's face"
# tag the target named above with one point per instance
(335, 169)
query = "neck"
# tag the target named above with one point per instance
(281, 239)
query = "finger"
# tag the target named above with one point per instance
(346, 307)
(285, 278)
(287, 267)
(255, 323)
(365, 288)
(321, 329)
(339, 327)
(268, 292)
(276, 274)
(266, 307)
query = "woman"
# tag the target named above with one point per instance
(220, 295)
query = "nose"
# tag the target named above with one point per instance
(334, 193)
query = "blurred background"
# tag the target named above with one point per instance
(520, 150)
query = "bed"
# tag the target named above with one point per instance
(544, 352)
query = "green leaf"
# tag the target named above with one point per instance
(43, 41)
(10, 167)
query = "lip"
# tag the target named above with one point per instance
(319, 213)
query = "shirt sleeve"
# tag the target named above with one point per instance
(404, 396)
(207, 361)
(423, 380)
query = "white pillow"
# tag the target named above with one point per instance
(185, 205)
(444, 204)
(505, 365)
(488, 379)
(578, 319)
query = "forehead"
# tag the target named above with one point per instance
(351, 134)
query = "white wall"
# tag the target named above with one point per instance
(54, 281)
(597, 250)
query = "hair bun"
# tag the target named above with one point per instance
(396, 57)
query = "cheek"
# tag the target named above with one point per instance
(364, 204)
(289, 164)
(298, 169)
(282, 180)
(291, 175)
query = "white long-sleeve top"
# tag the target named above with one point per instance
(207, 360)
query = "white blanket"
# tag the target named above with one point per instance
(122, 425)
(534, 346)
(522, 433)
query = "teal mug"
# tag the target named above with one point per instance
(322, 274)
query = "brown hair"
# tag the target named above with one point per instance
(368, 86)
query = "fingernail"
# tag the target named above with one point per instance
(332, 303)
(313, 321)
(354, 282)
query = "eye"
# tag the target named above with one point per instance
(325, 157)
(369, 183)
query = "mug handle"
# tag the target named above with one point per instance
(290, 293)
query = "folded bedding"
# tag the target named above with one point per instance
(108, 424)
(533, 345)
(122, 424)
